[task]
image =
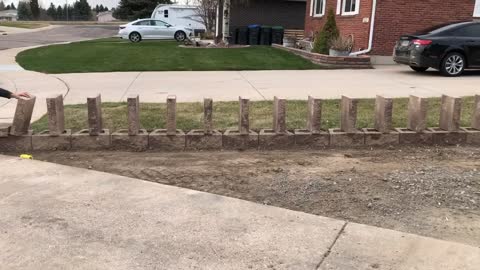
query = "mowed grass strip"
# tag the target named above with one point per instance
(225, 115)
(27, 25)
(107, 55)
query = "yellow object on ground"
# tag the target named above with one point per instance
(26, 156)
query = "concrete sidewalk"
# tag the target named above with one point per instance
(58, 217)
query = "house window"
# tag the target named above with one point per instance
(351, 7)
(476, 9)
(165, 13)
(318, 7)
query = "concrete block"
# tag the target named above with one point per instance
(348, 115)
(199, 140)
(314, 115)
(4, 129)
(409, 137)
(95, 120)
(172, 116)
(443, 137)
(133, 103)
(473, 135)
(121, 140)
(417, 114)
(244, 121)
(82, 140)
(305, 139)
(44, 141)
(16, 144)
(268, 139)
(56, 116)
(22, 117)
(376, 138)
(450, 112)
(280, 115)
(159, 140)
(339, 138)
(234, 140)
(383, 114)
(476, 113)
(207, 116)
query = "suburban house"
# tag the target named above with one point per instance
(287, 13)
(377, 24)
(8, 15)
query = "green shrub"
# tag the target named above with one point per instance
(328, 33)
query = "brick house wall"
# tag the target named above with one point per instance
(395, 18)
(350, 24)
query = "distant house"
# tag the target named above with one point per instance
(106, 16)
(377, 24)
(8, 15)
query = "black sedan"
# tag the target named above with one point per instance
(449, 48)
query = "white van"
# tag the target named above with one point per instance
(180, 15)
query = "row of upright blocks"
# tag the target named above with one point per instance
(18, 137)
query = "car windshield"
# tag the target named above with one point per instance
(438, 28)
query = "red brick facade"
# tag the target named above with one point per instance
(393, 19)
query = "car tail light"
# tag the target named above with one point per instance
(422, 42)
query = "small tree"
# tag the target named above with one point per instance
(207, 11)
(12, 6)
(2, 5)
(24, 13)
(328, 33)
(52, 12)
(35, 9)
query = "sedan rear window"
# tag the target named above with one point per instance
(142, 23)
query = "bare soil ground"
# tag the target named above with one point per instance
(428, 191)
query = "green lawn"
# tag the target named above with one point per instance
(28, 25)
(118, 55)
(225, 115)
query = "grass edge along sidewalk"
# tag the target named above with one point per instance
(114, 54)
(225, 114)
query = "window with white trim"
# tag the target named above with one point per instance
(351, 7)
(318, 8)
(476, 9)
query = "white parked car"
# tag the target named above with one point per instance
(139, 30)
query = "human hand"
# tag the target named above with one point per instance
(21, 95)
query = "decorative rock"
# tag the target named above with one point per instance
(121, 140)
(95, 121)
(348, 115)
(171, 115)
(417, 114)
(450, 113)
(244, 121)
(23, 115)
(314, 117)
(56, 116)
(208, 116)
(159, 140)
(234, 140)
(133, 103)
(82, 140)
(476, 113)
(44, 141)
(383, 114)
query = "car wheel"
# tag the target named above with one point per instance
(419, 69)
(453, 64)
(180, 36)
(135, 37)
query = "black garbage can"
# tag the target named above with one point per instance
(266, 35)
(241, 36)
(277, 35)
(254, 34)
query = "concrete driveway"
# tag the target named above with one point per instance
(57, 34)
